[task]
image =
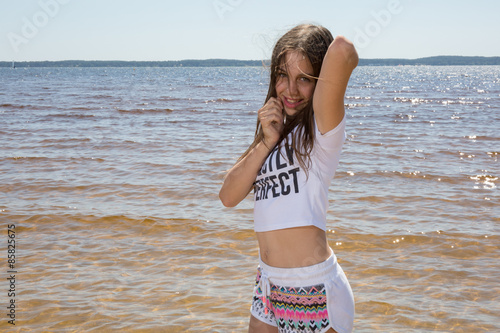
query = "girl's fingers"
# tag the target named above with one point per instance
(272, 107)
(277, 103)
(271, 116)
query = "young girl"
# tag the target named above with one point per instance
(300, 287)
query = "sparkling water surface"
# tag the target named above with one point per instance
(111, 176)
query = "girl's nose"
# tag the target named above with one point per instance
(292, 87)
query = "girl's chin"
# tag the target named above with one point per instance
(292, 112)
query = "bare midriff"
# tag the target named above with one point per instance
(293, 247)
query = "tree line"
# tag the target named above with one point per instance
(428, 61)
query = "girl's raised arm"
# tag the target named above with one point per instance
(328, 100)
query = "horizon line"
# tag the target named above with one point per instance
(246, 60)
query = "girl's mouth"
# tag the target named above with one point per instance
(291, 103)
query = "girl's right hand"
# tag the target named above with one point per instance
(240, 178)
(271, 117)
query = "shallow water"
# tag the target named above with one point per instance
(111, 177)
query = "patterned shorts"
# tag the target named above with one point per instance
(306, 299)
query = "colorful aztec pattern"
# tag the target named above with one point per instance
(295, 309)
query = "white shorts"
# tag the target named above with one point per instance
(305, 299)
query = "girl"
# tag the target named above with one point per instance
(300, 287)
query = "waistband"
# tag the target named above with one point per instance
(300, 276)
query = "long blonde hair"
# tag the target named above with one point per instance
(312, 41)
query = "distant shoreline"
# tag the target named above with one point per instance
(428, 61)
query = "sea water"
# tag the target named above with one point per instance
(111, 178)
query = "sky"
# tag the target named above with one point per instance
(158, 30)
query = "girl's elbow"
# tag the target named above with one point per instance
(345, 47)
(342, 43)
(226, 200)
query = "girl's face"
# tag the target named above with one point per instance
(295, 84)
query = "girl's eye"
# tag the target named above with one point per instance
(305, 79)
(281, 74)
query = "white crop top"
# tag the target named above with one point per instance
(285, 196)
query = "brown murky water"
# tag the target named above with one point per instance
(111, 178)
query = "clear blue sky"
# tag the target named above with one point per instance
(240, 29)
